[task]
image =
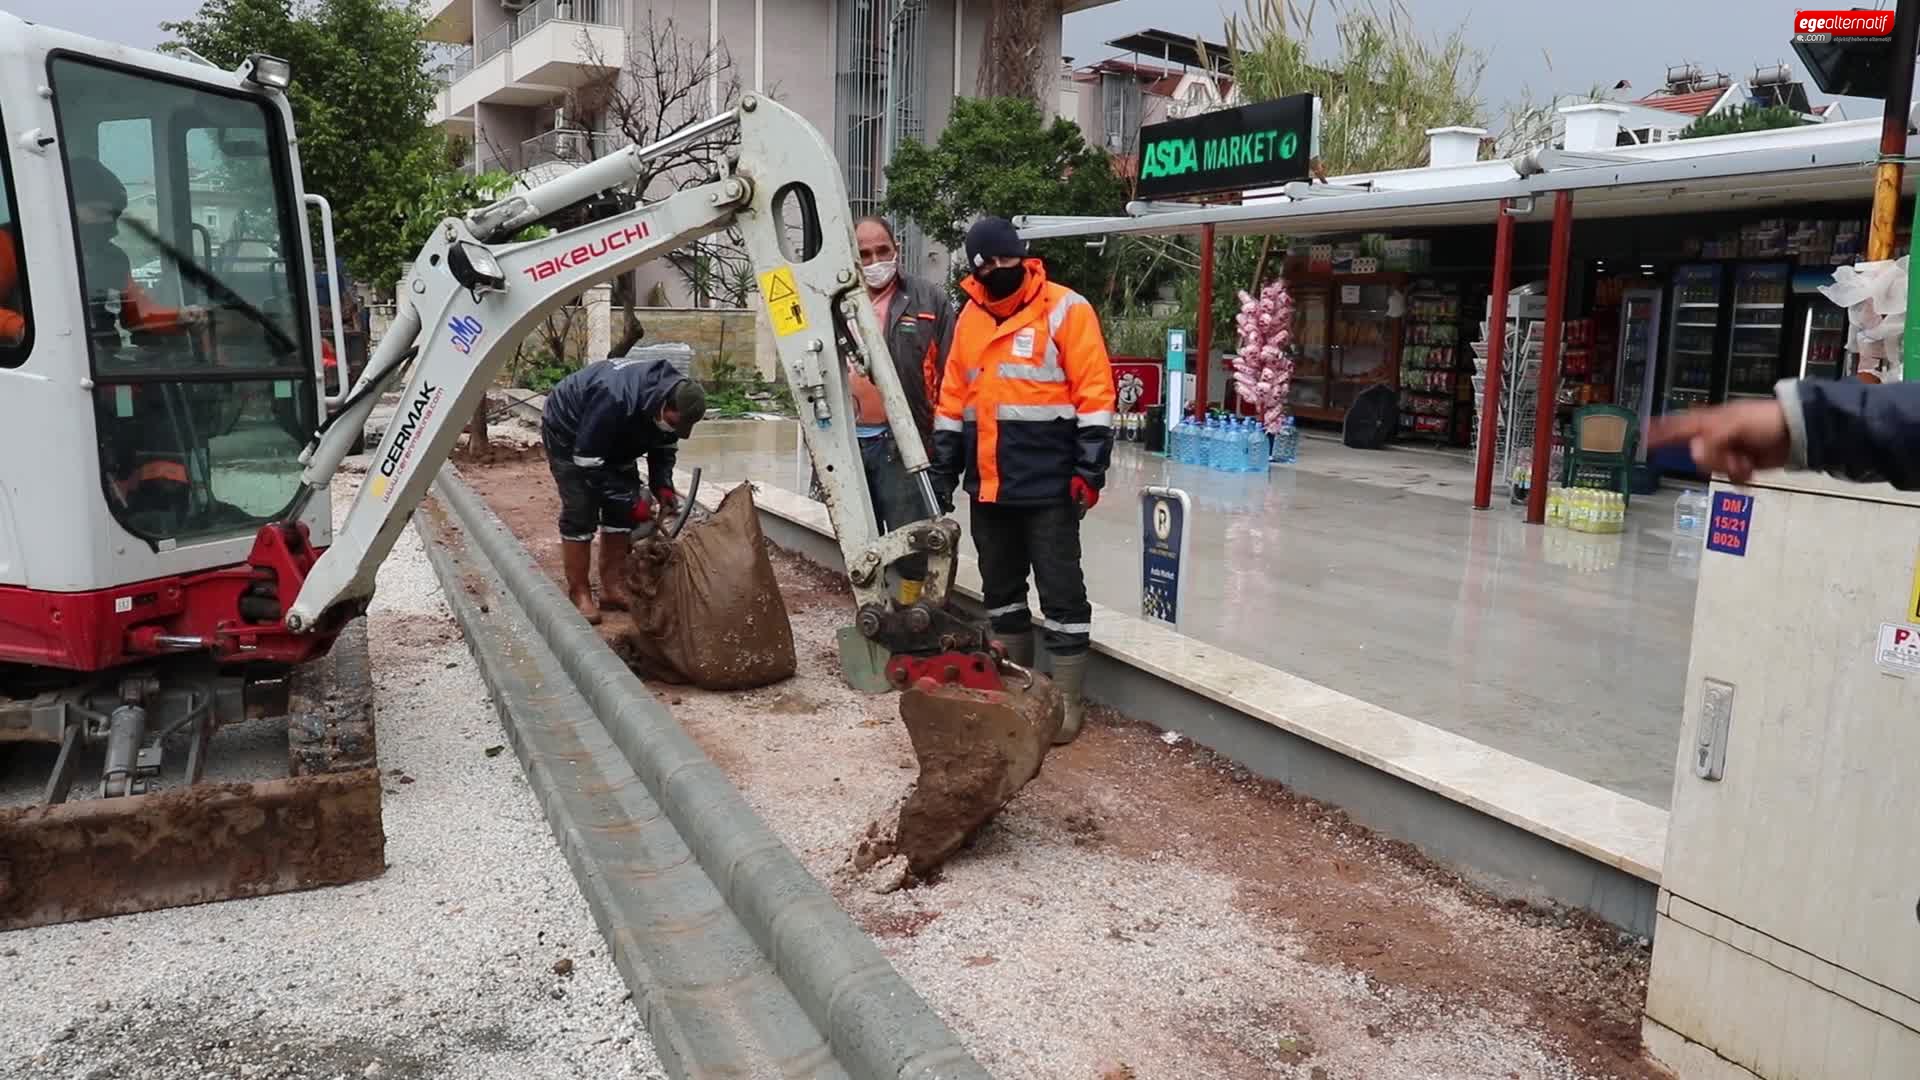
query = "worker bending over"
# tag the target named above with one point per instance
(916, 317)
(1026, 408)
(1853, 430)
(598, 423)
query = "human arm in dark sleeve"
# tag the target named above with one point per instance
(660, 463)
(1863, 432)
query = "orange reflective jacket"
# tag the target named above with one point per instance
(1026, 400)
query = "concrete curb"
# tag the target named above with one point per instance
(875, 1023)
(710, 1001)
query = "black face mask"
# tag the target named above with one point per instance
(1002, 281)
(98, 232)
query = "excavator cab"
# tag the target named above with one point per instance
(203, 383)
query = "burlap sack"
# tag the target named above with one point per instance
(706, 607)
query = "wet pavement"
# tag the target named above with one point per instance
(1370, 573)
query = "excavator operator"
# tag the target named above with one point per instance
(144, 473)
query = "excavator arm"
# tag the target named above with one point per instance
(469, 301)
(979, 724)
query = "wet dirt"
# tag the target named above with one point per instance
(976, 750)
(83, 860)
(1419, 927)
(1198, 973)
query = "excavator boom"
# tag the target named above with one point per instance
(472, 296)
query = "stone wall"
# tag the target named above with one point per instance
(731, 334)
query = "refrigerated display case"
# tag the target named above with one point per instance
(1348, 332)
(1312, 312)
(1758, 337)
(1639, 338)
(1692, 343)
(1822, 351)
(1365, 350)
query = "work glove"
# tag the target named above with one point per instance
(943, 493)
(642, 510)
(1085, 495)
(669, 499)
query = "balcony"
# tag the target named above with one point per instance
(450, 21)
(549, 48)
(457, 67)
(569, 145)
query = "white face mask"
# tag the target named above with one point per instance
(880, 274)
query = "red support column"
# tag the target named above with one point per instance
(1550, 357)
(1203, 333)
(1496, 357)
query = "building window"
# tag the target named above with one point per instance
(880, 99)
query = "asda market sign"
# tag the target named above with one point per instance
(1259, 145)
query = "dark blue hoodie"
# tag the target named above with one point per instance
(607, 415)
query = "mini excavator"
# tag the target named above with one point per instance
(169, 562)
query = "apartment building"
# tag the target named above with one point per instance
(869, 73)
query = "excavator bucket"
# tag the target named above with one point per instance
(976, 748)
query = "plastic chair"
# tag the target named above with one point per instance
(1604, 438)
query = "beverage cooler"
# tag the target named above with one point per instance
(1693, 341)
(1821, 326)
(1312, 312)
(1366, 341)
(1639, 354)
(1757, 343)
(1348, 334)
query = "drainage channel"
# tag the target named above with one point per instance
(743, 964)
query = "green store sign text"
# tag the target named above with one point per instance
(1183, 157)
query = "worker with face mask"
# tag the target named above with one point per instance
(1026, 410)
(916, 317)
(598, 423)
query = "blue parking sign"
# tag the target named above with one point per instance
(1163, 551)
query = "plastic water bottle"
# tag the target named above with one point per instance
(1286, 443)
(1177, 447)
(1690, 513)
(1210, 443)
(1256, 447)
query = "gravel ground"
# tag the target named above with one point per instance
(1145, 909)
(443, 968)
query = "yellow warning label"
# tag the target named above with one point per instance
(380, 487)
(783, 301)
(1913, 596)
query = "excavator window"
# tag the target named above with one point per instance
(16, 323)
(185, 213)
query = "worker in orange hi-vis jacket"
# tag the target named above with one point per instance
(1026, 411)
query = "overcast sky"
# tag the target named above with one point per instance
(1585, 42)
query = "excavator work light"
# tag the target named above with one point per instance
(474, 267)
(270, 71)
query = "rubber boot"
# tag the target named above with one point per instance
(1020, 648)
(613, 571)
(1070, 675)
(576, 558)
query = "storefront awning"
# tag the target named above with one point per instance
(1755, 178)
